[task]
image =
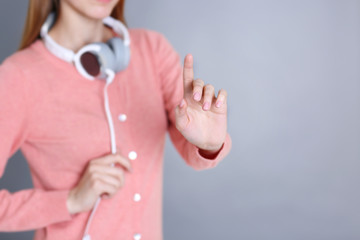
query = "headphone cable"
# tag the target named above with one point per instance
(109, 79)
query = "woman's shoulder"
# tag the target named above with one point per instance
(15, 78)
(150, 39)
(23, 60)
(147, 36)
(143, 34)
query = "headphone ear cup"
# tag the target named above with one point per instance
(121, 53)
(106, 56)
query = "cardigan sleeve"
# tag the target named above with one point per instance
(30, 208)
(170, 72)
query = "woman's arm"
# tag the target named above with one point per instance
(31, 208)
(171, 74)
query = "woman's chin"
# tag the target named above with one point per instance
(103, 8)
(99, 14)
(95, 9)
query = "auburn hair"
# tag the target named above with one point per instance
(38, 10)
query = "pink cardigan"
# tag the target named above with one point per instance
(57, 118)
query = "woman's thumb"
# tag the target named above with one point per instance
(181, 115)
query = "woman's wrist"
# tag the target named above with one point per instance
(70, 203)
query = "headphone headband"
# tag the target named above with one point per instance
(67, 54)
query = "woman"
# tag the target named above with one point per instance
(56, 117)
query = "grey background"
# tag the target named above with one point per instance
(292, 71)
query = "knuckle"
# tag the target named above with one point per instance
(199, 81)
(123, 163)
(91, 168)
(209, 87)
(197, 88)
(91, 164)
(93, 177)
(119, 157)
(94, 161)
(95, 184)
(224, 92)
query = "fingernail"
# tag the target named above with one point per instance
(206, 106)
(197, 96)
(218, 103)
(182, 103)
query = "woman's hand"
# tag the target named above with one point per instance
(99, 178)
(200, 117)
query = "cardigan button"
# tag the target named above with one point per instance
(132, 155)
(137, 236)
(122, 117)
(137, 197)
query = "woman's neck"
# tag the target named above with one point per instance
(73, 30)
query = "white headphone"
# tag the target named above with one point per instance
(96, 59)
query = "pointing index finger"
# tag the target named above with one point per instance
(188, 72)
